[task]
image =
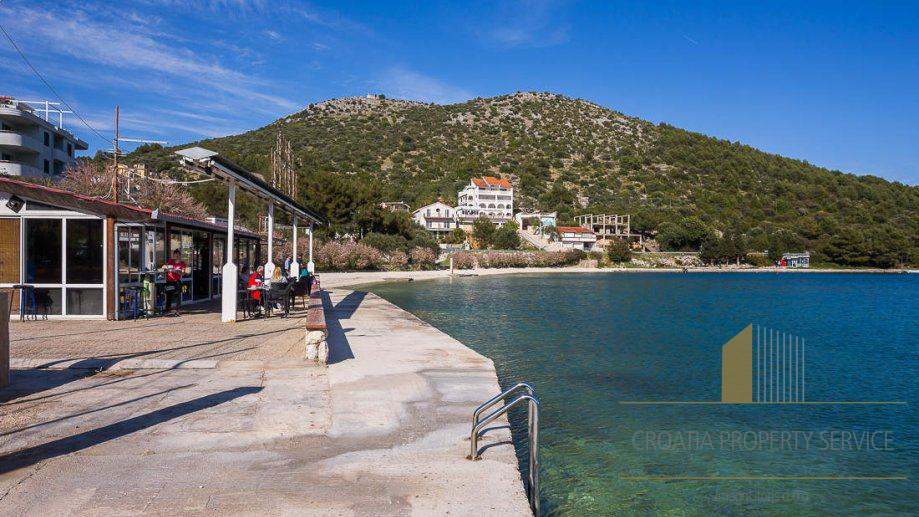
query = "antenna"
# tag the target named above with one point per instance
(116, 151)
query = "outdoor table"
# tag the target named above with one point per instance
(263, 299)
(23, 289)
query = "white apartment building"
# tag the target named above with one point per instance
(576, 237)
(488, 196)
(31, 145)
(436, 217)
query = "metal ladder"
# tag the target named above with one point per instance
(479, 423)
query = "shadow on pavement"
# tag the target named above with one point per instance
(345, 308)
(95, 410)
(71, 444)
(339, 348)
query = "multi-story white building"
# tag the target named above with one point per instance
(436, 217)
(31, 145)
(488, 196)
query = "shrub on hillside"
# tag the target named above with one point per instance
(423, 258)
(504, 259)
(384, 242)
(396, 260)
(335, 256)
(619, 251)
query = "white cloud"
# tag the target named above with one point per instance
(111, 45)
(273, 35)
(524, 23)
(402, 83)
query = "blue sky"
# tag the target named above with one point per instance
(832, 83)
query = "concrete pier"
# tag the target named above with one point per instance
(164, 430)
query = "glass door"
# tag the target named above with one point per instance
(201, 265)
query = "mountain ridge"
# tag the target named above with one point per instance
(576, 156)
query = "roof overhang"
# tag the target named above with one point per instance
(199, 159)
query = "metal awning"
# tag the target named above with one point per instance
(211, 163)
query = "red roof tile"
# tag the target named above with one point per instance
(491, 181)
(572, 229)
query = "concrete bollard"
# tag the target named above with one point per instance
(4, 340)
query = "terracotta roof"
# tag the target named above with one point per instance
(572, 229)
(491, 181)
(98, 206)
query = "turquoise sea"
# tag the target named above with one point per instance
(590, 341)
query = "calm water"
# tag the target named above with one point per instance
(587, 342)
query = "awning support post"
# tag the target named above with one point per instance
(269, 266)
(310, 266)
(229, 272)
(294, 264)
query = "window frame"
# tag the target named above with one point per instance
(62, 284)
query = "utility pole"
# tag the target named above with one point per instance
(115, 186)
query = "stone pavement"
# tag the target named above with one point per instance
(380, 431)
(197, 335)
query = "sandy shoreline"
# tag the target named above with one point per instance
(353, 278)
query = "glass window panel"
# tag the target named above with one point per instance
(128, 253)
(84, 301)
(159, 255)
(84, 251)
(48, 300)
(217, 260)
(43, 251)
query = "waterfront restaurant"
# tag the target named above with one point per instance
(55, 242)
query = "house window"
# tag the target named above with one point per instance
(47, 167)
(70, 149)
(47, 139)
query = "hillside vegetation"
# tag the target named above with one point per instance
(576, 157)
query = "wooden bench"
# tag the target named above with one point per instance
(317, 332)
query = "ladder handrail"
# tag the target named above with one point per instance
(494, 400)
(533, 432)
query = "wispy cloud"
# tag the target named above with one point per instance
(523, 23)
(109, 44)
(403, 83)
(273, 35)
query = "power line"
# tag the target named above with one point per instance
(37, 74)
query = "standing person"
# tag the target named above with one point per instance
(175, 268)
(287, 262)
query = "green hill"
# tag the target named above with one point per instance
(576, 157)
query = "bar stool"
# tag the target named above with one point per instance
(27, 303)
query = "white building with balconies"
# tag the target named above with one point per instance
(488, 196)
(32, 145)
(436, 217)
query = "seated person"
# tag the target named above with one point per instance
(255, 280)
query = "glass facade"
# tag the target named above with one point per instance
(62, 252)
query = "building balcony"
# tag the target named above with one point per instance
(16, 141)
(11, 168)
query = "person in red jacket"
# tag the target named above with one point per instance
(175, 268)
(255, 280)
